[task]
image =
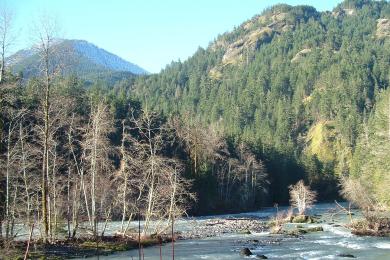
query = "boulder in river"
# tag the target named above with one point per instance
(244, 232)
(261, 257)
(302, 219)
(246, 252)
(346, 255)
(314, 229)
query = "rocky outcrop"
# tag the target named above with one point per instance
(301, 54)
(215, 73)
(279, 22)
(383, 28)
(235, 52)
(258, 31)
(349, 11)
(344, 12)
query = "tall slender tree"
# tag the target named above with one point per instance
(5, 37)
(46, 31)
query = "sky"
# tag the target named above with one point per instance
(149, 33)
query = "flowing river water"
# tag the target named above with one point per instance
(334, 242)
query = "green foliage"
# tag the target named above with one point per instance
(371, 162)
(278, 106)
(304, 91)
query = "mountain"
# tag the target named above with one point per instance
(76, 57)
(295, 84)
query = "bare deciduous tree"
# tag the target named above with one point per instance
(202, 143)
(46, 32)
(301, 197)
(355, 192)
(165, 193)
(46, 35)
(97, 151)
(5, 37)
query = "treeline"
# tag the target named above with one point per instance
(75, 155)
(101, 157)
(296, 85)
(234, 127)
(62, 168)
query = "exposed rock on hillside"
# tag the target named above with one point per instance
(237, 50)
(215, 73)
(349, 11)
(383, 28)
(258, 30)
(279, 22)
(344, 12)
(301, 54)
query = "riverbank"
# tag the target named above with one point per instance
(77, 248)
(326, 235)
(104, 246)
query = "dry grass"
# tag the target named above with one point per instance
(282, 217)
(371, 226)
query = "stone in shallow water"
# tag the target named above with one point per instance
(314, 229)
(346, 255)
(245, 252)
(299, 219)
(261, 257)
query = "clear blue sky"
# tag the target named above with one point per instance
(150, 33)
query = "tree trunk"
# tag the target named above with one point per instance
(45, 164)
(2, 61)
(125, 177)
(388, 118)
(68, 203)
(151, 188)
(54, 191)
(7, 191)
(24, 166)
(124, 205)
(76, 207)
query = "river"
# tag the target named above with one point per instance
(333, 242)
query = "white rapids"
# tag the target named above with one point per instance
(334, 242)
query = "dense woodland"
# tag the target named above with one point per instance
(290, 94)
(302, 97)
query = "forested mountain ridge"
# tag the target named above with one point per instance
(77, 57)
(291, 106)
(291, 94)
(295, 84)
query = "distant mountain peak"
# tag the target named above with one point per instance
(105, 58)
(82, 57)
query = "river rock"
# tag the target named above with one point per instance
(346, 255)
(302, 219)
(215, 227)
(315, 229)
(261, 257)
(299, 219)
(244, 232)
(246, 252)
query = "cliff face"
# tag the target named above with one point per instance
(383, 28)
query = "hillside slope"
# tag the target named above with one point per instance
(294, 83)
